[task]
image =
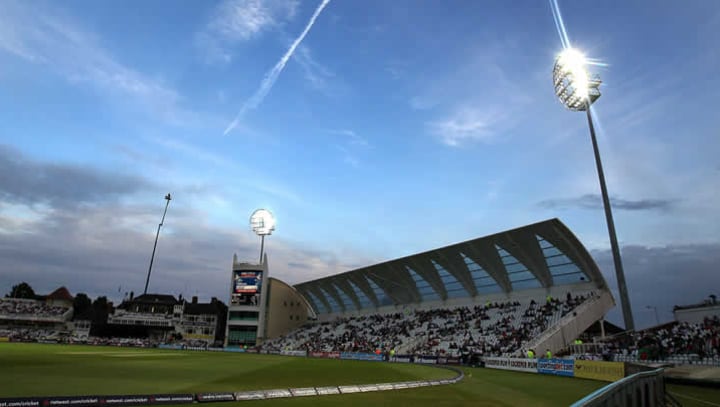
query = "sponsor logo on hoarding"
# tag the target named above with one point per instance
(328, 355)
(306, 391)
(517, 364)
(322, 391)
(599, 370)
(207, 397)
(293, 352)
(360, 356)
(272, 394)
(559, 367)
(249, 395)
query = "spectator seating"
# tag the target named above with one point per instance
(492, 329)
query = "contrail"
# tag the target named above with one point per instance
(559, 24)
(272, 76)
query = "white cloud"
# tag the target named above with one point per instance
(464, 125)
(271, 77)
(315, 73)
(352, 137)
(350, 145)
(235, 21)
(49, 38)
(242, 175)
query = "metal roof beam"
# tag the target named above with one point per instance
(422, 264)
(309, 299)
(320, 296)
(342, 284)
(483, 253)
(564, 243)
(329, 289)
(397, 283)
(525, 247)
(360, 280)
(451, 260)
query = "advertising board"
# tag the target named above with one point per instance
(212, 397)
(430, 360)
(599, 370)
(360, 356)
(448, 360)
(559, 367)
(293, 352)
(325, 355)
(517, 364)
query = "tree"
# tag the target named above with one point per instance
(22, 290)
(100, 315)
(81, 304)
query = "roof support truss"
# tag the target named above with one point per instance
(455, 265)
(422, 264)
(525, 247)
(486, 256)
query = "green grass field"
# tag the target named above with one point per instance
(52, 370)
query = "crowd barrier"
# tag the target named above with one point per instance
(640, 389)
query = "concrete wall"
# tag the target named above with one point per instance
(286, 311)
(696, 315)
(572, 325)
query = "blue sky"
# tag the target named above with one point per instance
(393, 127)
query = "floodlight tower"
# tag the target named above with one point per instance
(577, 90)
(262, 223)
(157, 235)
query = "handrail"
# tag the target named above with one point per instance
(564, 321)
(597, 394)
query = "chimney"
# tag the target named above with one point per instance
(213, 300)
(194, 299)
(132, 295)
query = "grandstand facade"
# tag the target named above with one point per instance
(542, 259)
(531, 287)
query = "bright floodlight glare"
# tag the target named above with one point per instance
(262, 222)
(573, 84)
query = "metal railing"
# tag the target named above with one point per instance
(640, 389)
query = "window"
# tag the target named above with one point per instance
(334, 306)
(453, 287)
(426, 291)
(383, 298)
(349, 304)
(519, 275)
(319, 305)
(364, 300)
(484, 283)
(244, 315)
(562, 269)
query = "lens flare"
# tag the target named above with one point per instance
(573, 64)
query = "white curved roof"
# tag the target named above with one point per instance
(540, 255)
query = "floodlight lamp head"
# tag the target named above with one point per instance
(262, 222)
(574, 86)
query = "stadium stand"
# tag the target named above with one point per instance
(528, 287)
(493, 329)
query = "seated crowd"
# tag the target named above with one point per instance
(11, 307)
(668, 342)
(492, 329)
